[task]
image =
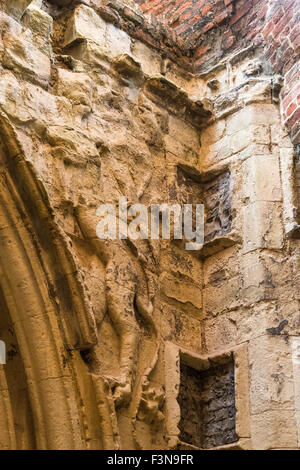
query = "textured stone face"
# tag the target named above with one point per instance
(99, 102)
(215, 195)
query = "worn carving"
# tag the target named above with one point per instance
(127, 292)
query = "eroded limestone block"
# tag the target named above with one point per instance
(178, 261)
(221, 266)
(173, 323)
(262, 226)
(272, 381)
(9, 25)
(296, 369)
(255, 114)
(221, 297)
(41, 25)
(274, 429)
(181, 291)
(149, 59)
(77, 87)
(70, 145)
(258, 283)
(117, 41)
(219, 144)
(24, 58)
(85, 24)
(261, 179)
(16, 8)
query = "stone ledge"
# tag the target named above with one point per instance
(177, 100)
(128, 17)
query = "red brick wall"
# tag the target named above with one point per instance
(184, 14)
(281, 35)
(211, 29)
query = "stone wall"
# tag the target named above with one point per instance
(98, 102)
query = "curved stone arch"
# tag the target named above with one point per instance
(27, 271)
(7, 430)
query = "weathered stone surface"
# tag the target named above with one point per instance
(77, 87)
(215, 194)
(16, 8)
(261, 179)
(271, 387)
(262, 226)
(25, 59)
(85, 24)
(181, 290)
(41, 25)
(278, 429)
(141, 344)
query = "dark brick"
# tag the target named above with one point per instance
(287, 55)
(279, 27)
(295, 33)
(146, 38)
(240, 13)
(183, 7)
(208, 27)
(206, 9)
(225, 25)
(195, 19)
(293, 118)
(207, 404)
(296, 43)
(201, 51)
(221, 17)
(228, 41)
(268, 28)
(198, 5)
(186, 14)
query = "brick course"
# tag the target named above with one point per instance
(214, 28)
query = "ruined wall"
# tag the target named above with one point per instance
(99, 102)
(213, 30)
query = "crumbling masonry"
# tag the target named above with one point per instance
(142, 344)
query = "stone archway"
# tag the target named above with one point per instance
(16, 428)
(50, 412)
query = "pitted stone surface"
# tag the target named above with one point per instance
(98, 101)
